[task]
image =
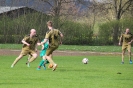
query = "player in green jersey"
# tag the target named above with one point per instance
(42, 55)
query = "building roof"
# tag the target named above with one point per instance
(38, 5)
(9, 5)
(4, 9)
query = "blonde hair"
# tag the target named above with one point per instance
(49, 23)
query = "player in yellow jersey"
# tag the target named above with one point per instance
(29, 47)
(126, 39)
(55, 39)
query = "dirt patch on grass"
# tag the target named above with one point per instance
(61, 53)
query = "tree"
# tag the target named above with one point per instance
(62, 8)
(120, 8)
(117, 8)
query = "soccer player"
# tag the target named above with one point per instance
(42, 55)
(29, 47)
(126, 39)
(55, 38)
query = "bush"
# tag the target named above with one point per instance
(76, 33)
(106, 30)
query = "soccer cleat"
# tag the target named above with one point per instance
(122, 62)
(38, 69)
(130, 62)
(54, 67)
(28, 64)
(12, 66)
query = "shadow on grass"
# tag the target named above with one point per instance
(80, 70)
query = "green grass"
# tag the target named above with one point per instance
(71, 47)
(100, 72)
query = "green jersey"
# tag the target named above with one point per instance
(127, 38)
(53, 36)
(32, 41)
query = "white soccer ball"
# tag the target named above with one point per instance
(85, 60)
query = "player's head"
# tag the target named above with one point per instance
(127, 30)
(49, 23)
(32, 32)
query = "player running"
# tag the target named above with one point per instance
(42, 55)
(29, 47)
(54, 36)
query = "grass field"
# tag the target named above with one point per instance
(100, 72)
(71, 47)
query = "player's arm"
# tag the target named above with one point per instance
(42, 46)
(131, 41)
(24, 42)
(61, 37)
(37, 45)
(45, 40)
(120, 40)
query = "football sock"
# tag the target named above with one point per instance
(46, 61)
(39, 66)
(41, 63)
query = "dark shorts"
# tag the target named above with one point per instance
(126, 46)
(50, 50)
(26, 51)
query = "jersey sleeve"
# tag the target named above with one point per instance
(131, 36)
(38, 38)
(47, 36)
(26, 38)
(121, 38)
(59, 32)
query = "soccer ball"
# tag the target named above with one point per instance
(50, 65)
(85, 60)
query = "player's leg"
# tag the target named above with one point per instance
(16, 60)
(29, 57)
(45, 62)
(123, 53)
(49, 57)
(23, 53)
(34, 56)
(28, 64)
(129, 53)
(42, 63)
(124, 47)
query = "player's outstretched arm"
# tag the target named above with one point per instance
(45, 40)
(61, 37)
(130, 41)
(120, 40)
(24, 42)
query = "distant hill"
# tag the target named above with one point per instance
(38, 4)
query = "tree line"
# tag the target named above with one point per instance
(100, 23)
